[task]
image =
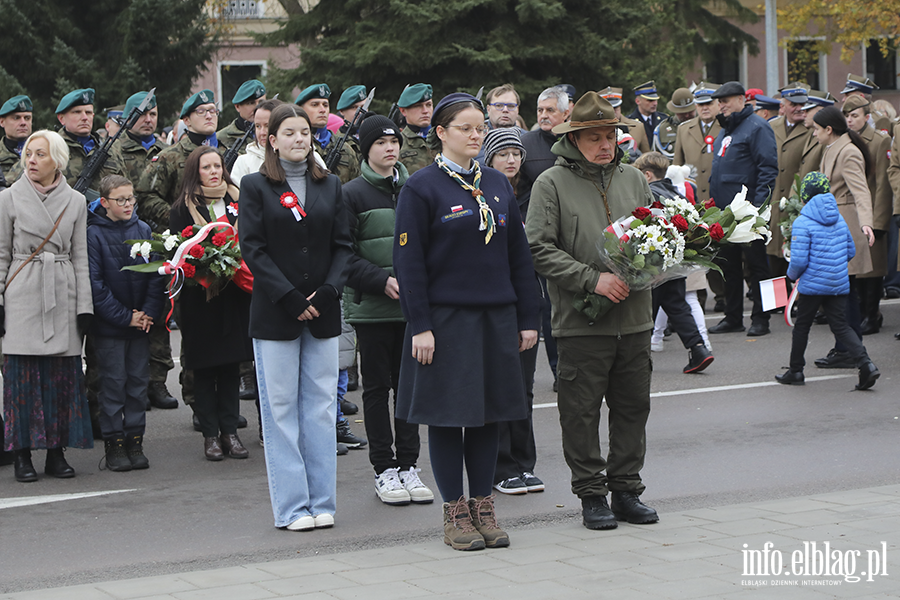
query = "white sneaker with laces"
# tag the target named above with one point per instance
(304, 523)
(390, 489)
(418, 491)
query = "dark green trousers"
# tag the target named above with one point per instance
(617, 368)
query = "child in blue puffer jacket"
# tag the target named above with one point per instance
(821, 247)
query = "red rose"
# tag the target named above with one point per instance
(709, 203)
(188, 231)
(716, 232)
(219, 239)
(641, 212)
(189, 270)
(656, 204)
(680, 223)
(196, 251)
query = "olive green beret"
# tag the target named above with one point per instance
(83, 97)
(414, 94)
(316, 90)
(352, 95)
(135, 100)
(249, 90)
(201, 97)
(16, 104)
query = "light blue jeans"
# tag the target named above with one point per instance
(297, 396)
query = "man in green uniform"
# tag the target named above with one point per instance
(15, 119)
(314, 101)
(245, 101)
(351, 100)
(135, 149)
(600, 357)
(75, 113)
(416, 106)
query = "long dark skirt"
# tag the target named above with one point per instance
(45, 404)
(475, 377)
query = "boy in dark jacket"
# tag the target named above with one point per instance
(125, 306)
(821, 247)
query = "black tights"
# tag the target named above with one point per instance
(450, 446)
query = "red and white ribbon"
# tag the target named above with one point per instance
(790, 304)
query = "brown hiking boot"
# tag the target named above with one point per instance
(485, 520)
(459, 532)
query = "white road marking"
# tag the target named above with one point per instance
(32, 500)
(722, 388)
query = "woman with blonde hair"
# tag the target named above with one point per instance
(45, 309)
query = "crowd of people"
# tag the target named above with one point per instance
(437, 250)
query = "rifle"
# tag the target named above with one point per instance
(334, 155)
(394, 114)
(231, 155)
(98, 158)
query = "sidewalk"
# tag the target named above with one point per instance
(705, 553)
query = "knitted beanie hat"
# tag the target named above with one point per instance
(813, 184)
(374, 127)
(500, 139)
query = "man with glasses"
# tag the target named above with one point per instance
(503, 106)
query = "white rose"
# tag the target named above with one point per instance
(170, 243)
(166, 233)
(135, 248)
(145, 249)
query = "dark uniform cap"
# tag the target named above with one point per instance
(613, 95)
(352, 95)
(646, 90)
(766, 103)
(854, 102)
(414, 94)
(451, 99)
(732, 88)
(83, 97)
(682, 101)
(114, 113)
(795, 92)
(135, 100)
(249, 90)
(703, 93)
(592, 110)
(374, 127)
(570, 90)
(16, 104)
(817, 98)
(856, 83)
(315, 91)
(201, 97)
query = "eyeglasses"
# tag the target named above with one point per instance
(123, 201)
(467, 129)
(204, 111)
(502, 105)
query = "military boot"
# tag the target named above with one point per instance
(116, 458)
(459, 531)
(134, 449)
(481, 508)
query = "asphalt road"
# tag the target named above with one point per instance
(746, 439)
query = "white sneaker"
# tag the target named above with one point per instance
(323, 521)
(306, 523)
(390, 489)
(418, 491)
(656, 346)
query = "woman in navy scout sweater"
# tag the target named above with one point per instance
(466, 282)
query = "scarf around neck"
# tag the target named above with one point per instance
(486, 221)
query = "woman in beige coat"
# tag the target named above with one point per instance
(846, 163)
(45, 308)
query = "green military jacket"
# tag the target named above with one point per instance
(78, 159)
(347, 168)
(566, 217)
(158, 186)
(133, 157)
(230, 134)
(9, 160)
(414, 154)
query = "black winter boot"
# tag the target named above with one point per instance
(116, 458)
(134, 449)
(24, 468)
(56, 464)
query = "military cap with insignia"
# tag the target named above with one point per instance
(852, 103)
(114, 113)
(198, 99)
(135, 100)
(732, 88)
(16, 104)
(249, 90)
(317, 90)
(414, 94)
(592, 110)
(83, 97)
(795, 92)
(352, 95)
(646, 90)
(613, 95)
(855, 83)
(703, 93)
(682, 101)
(817, 98)
(766, 103)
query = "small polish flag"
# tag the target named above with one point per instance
(456, 208)
(773, 293)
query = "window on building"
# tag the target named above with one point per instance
(725, 64)
(803, 62)
(242, 9)
(880, 68)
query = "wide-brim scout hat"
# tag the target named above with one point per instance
(16, 104)
(135, 100)
(855, 83)
(818, 98)
(766, 103)
(592, 110)
(352, 95)
(795, 92)
(613, 95)
(682, 101)
(198, 99)
(414, 94)
(646, 90)
(732, 88)
(315, 91)
(249, 90)
(83, 97)
(852, 103)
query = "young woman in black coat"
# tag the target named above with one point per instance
(214, 329)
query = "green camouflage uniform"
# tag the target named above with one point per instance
(8, 161)
(414, 154)
(78, 159)
(230, 134)
(348, 165)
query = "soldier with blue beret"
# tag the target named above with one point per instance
(245, 101)
(15, 119)
(416, 106)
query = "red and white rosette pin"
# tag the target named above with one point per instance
(291, 201)
(709, 143)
